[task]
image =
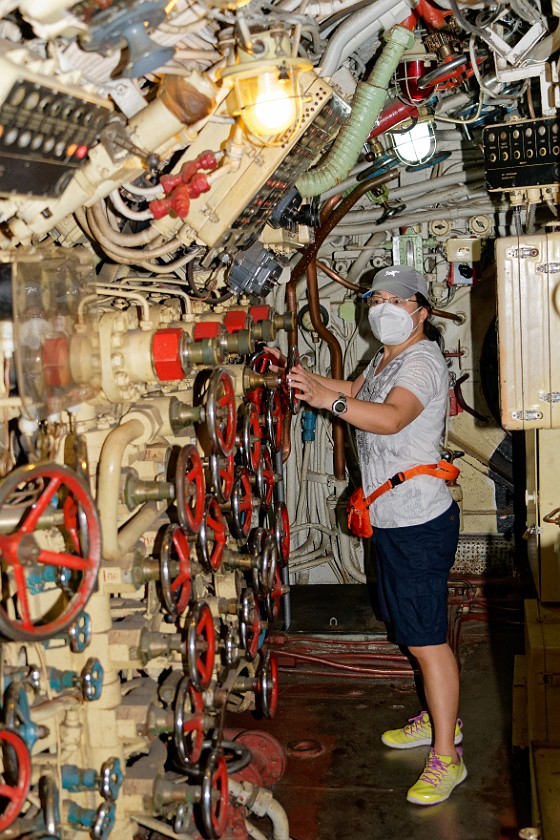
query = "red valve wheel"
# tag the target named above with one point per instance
(201, 646)
(214, 794)
(49, 491)
(188, 724)
(274, 595)
(241, 505)
(14, 794)
(262, 362)
(251, 436)
(265, 478)
(189, 488)
(282, 532)
(212, 536)
(221, 416)
(222, 474)
(175, 590)
(451, 72)
(266, 687)
(273, 419)
(249, 623)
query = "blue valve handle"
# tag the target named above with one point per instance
(90, 680)
(109, 779)
(17, 714)
(79, 633)
(99, 823)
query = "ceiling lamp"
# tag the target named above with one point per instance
(266, 81)
(417, 145)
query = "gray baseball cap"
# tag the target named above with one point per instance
(401, 280)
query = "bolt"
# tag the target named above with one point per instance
(117, 360)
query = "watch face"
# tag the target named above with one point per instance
(339, 406)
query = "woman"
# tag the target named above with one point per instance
(398, 407)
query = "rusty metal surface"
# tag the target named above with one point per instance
(342, 783)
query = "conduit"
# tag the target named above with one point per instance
(366, 106)
(361, 27)
(420, 203)
(262, 803)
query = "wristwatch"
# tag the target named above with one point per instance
(339, 406)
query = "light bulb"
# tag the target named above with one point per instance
(272, 107)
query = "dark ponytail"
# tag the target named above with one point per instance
(430, 330)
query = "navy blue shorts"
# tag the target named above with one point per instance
(413, 565)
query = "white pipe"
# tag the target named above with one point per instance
(109, 481)
(361, 27)
(162, 290)
(254, 832)
(124, 240)
(422, 202)
(127, 212)
(262, 803)
(117, 291)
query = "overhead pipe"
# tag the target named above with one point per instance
(367, 103)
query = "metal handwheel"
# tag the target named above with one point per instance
(175, 588)
(201, 646)
(212, 536)
(14, 795)
(47, 495)
(220, 411)
(189, 488)
(188, 723)
(214, 794)
(251, 436)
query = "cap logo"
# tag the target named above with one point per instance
(392, 273)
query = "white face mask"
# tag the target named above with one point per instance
(391, 324)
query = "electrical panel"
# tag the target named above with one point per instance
(521, 154)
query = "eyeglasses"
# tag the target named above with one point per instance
(375, 300)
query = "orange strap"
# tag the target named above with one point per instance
(444, 470)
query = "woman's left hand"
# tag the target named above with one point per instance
(309, 389)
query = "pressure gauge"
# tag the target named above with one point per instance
(304, 318)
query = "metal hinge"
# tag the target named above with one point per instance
(548, 268)
(527, 415)
(551, 396)
(522, 253)
(551, 679)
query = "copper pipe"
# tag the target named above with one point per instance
(328, 207)
(310, 252)
(337, 370)
(330, 272)
(451, 316)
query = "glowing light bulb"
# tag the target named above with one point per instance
(273, 105)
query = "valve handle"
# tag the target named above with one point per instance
(92, 679)
(17, 718)
(452, 71)
(79, 633)
(189, 488)
(111, 778)
(213, 535)
(50, 805)
(266, 686)
(104, 821)
(273, 418)
(251, 436)
(214, 794)
(241, 505)
(264, 576)
(175, 591)
(27, 566)
(294, 402)
(249, 623)
(281, 525)
(13, 796)
(222, 473)
(274, 595)
(221, 412)
(265, 478)
(201, 646)
(188, 724)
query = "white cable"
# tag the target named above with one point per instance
(127, 212)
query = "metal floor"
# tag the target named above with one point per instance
(341, 782)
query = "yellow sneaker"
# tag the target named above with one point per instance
(416, 733)
(438, 780)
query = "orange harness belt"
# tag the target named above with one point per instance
(357, 507)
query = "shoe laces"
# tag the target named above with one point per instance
(414, 724)
(435, 770)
